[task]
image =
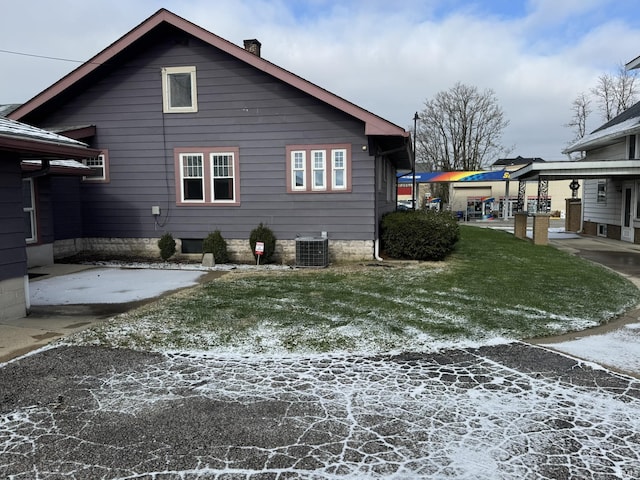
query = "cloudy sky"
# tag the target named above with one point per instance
(388, 57)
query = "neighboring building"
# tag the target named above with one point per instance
(611, 196)
(197, 134)
(28, 159)
(486, 199)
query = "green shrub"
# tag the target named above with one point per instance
(419, 235)
(167, 246)
(214, 243)
(262, 233)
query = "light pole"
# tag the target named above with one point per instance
(413, 169)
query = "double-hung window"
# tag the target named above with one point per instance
(298, 170)
(222, 177)
(601, 195)
(318, 168)
(99, 168)
(339, 169)
(179, 91)
(207, 176)
(192, 169)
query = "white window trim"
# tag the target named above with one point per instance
(334, 169)
(182, 177)
(232, 177)
(314, 185)
(98, 162)
(166, 98)
(31, 211)
(601, 198)
(303, 170)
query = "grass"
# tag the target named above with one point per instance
(494, 285)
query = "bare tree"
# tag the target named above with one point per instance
(581, 109)
(615, 93)
(460, 129)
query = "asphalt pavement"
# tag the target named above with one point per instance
(490, 413)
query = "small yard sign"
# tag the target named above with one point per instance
(259, 251)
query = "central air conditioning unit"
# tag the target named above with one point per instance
(312, 252)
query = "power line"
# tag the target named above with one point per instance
(40, 56)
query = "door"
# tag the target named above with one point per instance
(627, 213)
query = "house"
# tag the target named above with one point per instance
(611, 195)
(29, 157)
(197, 134)
(609, 204)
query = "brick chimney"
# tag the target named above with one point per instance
(252, 46)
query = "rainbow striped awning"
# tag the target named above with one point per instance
(473, 176)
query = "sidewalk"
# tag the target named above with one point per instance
(50, 321)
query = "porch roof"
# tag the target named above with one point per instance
(578, 170)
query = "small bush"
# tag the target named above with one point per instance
(167, 246)
(419, 235)
(262, 233)
(214, 243)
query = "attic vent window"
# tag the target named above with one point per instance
(179, 92)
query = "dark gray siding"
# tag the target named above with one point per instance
(67, 207)
(13, 257)
(238, 107)
(44, 210)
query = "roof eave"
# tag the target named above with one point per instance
(31, 146)
(633, 64)
(602, 141)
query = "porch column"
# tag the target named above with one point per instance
(505, 203)
(522, 191)
(520, 225)
(573, 215)
(541, 228)
(543, 194)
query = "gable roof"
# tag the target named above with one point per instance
(627, 123)
(374, 125)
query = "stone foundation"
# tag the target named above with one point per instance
(239, 251)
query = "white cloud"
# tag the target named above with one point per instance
(386, 57)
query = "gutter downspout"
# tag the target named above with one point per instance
(376, 242)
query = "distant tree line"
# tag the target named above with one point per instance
(612, 95)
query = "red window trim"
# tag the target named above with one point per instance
(206, 153)
(308, 148)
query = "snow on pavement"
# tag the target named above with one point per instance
(492, 413)
(109, 285)
(619, 349)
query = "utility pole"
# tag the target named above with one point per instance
(413, 170)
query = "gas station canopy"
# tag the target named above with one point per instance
(468, 176)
